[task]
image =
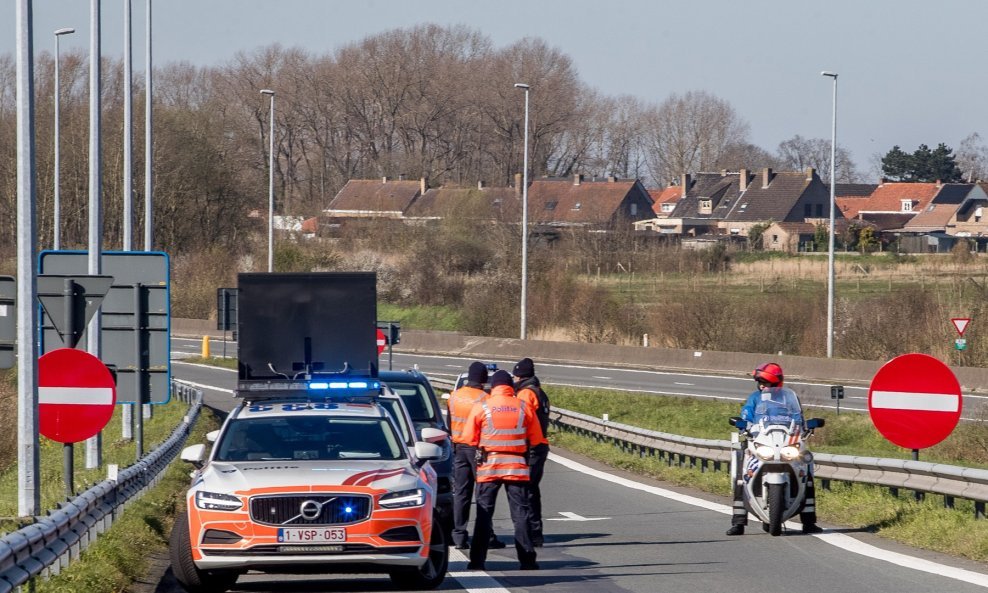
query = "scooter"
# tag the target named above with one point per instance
(774, 464)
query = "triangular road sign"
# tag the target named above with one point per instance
(87, 293)
(960, 323)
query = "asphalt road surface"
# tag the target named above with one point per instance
(610, 531)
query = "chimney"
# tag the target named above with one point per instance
(518, 185)
(384, 180)
(577, 178)
(401, 176)
(422, 186)
(766, 177)
(743, 180)
(684, 181)
(882, 180)
(723, 172)
(611, 179)
(480, 184)
(810, 172)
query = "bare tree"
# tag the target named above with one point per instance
(691, 132)
(798, 153)
(972, 157)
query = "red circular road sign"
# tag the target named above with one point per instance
(382, 341)
(76, 395)
(915, 401)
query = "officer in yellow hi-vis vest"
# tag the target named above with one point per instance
(502, 428)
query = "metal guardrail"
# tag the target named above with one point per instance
(54, 541)
(950, 481)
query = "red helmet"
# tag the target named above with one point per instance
(769, 373)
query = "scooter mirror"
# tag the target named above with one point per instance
(813, 423)
(733, 420)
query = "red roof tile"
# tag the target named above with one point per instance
(589, 202)
(375, 195)
(669, 195)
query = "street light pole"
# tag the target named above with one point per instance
(270, 93)
(524, 220)
(830, 256)
(56, 236)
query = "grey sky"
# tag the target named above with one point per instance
(910, 70)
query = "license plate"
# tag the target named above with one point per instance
(316, 535)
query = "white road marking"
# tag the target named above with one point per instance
(204, 366)
(840, 540)
(568, 516)
(473, 581)
(686, 384)
(599, 377)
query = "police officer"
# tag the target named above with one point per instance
(460, 404)
(530, 391)
(766, 376)
(502, 427)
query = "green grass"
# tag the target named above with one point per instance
(122, 555)
(439, 318)
(115, 450)
(924, 524)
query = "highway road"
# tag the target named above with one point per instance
(608, 531)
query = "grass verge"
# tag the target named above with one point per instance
(122, 554)
(116, 450)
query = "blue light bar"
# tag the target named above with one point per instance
(344, 385)
(318, 385)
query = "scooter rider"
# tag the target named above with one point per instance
(767, 376)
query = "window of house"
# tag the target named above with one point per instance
(819, 210)
(775, 238)
(577, 206)
(807, 210)
(634, 209)
(907, 205)
(551, 205)
(667, 207)
(706, 206)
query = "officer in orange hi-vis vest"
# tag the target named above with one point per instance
(460, 404)
(503, 428)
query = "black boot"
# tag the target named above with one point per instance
(736, 530)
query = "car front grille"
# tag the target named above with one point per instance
(287, 510)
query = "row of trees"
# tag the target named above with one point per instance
(428, 101)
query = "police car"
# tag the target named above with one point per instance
(316, 476)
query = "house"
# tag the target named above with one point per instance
(664, 200)
(480, 203)
(891, 205)
(575, 202)
(705, 201)
(957, 211)
(770, 196)
(373, 198)
(793, 237)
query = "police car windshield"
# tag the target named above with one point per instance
(417, 402)
(319, 438)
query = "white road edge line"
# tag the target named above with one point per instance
(472, 581)
(840, 540)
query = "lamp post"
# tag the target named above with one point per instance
(270, 93)
(56, 238)
(524, 219)
(830, 255)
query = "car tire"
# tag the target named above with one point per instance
(432, 573)
(184, 568)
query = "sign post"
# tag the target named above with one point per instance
(76, 395)
(915, 401)
(391, 330)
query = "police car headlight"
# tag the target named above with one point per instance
(765, 452)
(403, 499)
(217, 501)
(789, 453)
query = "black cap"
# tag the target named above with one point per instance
(524, 369)
(477, 373)
(501, 378)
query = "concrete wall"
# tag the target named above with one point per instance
(834, 370)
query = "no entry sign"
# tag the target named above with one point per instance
(915, 401)
(382, 341)
(76, 395)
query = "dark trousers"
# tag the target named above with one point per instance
(518, 503)
(536, 467)
(464, 475)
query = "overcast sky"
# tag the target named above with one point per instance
(910, 71)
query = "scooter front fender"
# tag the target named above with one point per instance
(775, 478)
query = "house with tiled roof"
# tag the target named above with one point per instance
(481, 203)
(958, 211)
(892, 204)
(665, 199)
(375, 198)
(706, 199)
(770, 196)
(576, 202)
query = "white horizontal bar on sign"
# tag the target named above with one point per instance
(928, 402)
(88, 396)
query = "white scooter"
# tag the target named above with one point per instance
(775, 464)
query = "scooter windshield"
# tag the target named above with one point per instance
(778, 405)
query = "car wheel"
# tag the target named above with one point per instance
(183, 567)
(432, 573)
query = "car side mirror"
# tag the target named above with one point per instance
(813, 423)
(211, 436)
(434, 435)
(427, 452)
(194, 454)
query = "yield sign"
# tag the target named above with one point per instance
(915, 401)
(382, 341)
(76, 394)
(960, 323)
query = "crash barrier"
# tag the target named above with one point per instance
(950, 481)
(54, 541)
